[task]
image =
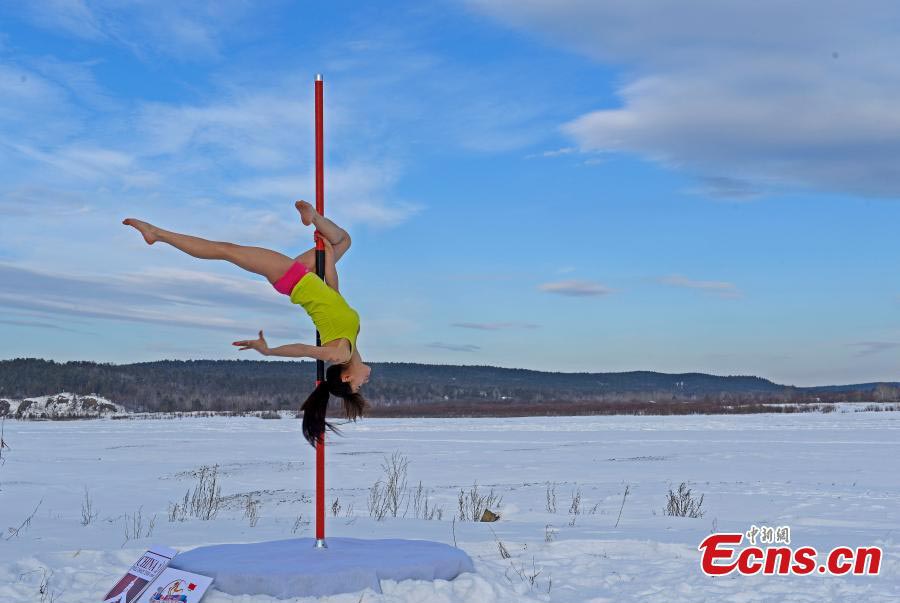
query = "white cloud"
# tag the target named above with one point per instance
(253, 145)
(454, 347)
(186, 30)
(40, 201)
(32, 107)
(21, 87)
(719, 288)
(724, 187)
(36, 324)
(199, 287)
(182, 298)
(86, 163)
(486, 277)
(354, 193)
(107, 311)
(402, 88)
(770, 93)
(576, 288)
(494, 326)
(70, 16)
(870, 348)
(259, 129)
(77, 79)
(553, 152)
(376, 212)
(266, 136)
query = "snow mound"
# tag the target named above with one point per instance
(59, 406)
(294, 568)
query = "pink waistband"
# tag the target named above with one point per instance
(290, 279)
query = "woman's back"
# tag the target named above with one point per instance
(329, 311)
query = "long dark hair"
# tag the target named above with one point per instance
(316, 405)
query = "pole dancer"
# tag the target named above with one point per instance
(335, 320)
(337, 324)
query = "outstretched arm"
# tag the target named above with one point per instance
(303, 350)
(292, 350)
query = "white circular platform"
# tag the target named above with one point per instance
(295, 568)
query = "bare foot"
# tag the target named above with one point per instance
(149, 231)
(307, 212)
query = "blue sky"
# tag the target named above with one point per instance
(560, 185)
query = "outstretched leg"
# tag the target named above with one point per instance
(337, 236)
(258, 260)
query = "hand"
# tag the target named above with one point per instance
(259, 345)
(329, 248)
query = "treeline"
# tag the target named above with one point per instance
(247, 385)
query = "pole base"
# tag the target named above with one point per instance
(348, 565)
(321, 544)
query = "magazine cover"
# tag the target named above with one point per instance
(146, 569)
(176, 586)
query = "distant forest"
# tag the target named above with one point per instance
(405, 389)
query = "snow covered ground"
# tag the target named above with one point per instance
(833, 478)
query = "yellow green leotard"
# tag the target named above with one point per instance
(330, 313)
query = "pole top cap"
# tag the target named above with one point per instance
(319, 77)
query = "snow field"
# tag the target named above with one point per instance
(831, 477)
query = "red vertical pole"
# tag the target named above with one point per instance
(320, 270)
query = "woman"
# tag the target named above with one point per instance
(336, 321)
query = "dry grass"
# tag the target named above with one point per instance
(472, 504)
(205, 500)
(683, 503)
